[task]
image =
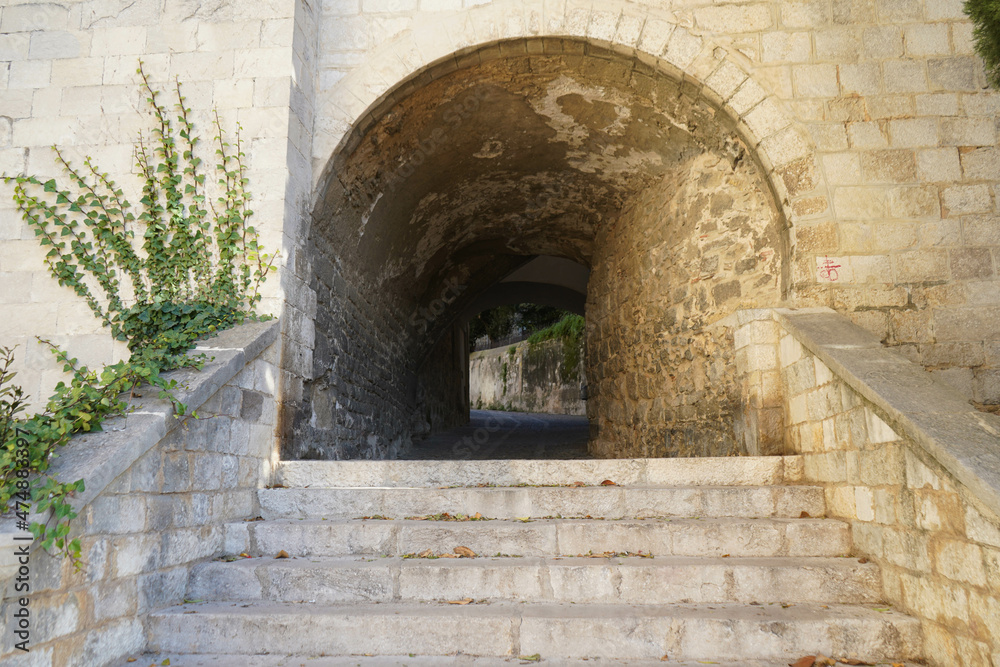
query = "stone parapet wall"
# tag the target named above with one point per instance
(906, 461)
(527, 378)
(159, 493)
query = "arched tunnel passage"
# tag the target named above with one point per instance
(466, 173)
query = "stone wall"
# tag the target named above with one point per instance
(159, 492)
(696, 245)
(906, 461)
(68, 78)
(528, 378)
(443, 384)
(869, 121)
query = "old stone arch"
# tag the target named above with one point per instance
(554, 147)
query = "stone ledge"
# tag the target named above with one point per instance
(99, 458)
(965, 441)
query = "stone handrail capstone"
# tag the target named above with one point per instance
(964, 440)
(100, 457)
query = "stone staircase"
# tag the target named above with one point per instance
(679, 560)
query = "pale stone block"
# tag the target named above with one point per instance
(878, 430)
(962, 38)
(749, 94)
(29, 74)
(913, 132)
(118, 41)
(864, 502)
(937, 104)
(961, 561)
(628, 30)
(440, 5)
(968, 132)
(815, 80)
(842, 168)
(785, 147)
(980, 529)
(867, 134)
(655, 34)
(962, 199)
(914, 202)
(797, 409)
(927, 39)
(840, 501)
(837, 44)
(829, 136)
(885, 506)
(860, 78)
(938, 164)
(766, 119)
(682, 48)
(823, 372)
(854, 203)
(906, 549)
(904, 76)
(388, 6)
(54, 45)
(228, 36)
(263, 62)
(727, 19)
(882, 42)
(14, 47)
(30, 17)
(954, 73)
(233, 93)
(203, 66)
(77, 72)
(789, 351)
(172, 37)
(793, 47)
(726, 79)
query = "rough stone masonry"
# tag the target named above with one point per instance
(697, 156)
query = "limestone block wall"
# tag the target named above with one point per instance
(528, 378)
(704, 240)
(870, 120)
(68, 78)
(907, 463)
(159, 493)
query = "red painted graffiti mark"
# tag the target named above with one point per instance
(828, 270)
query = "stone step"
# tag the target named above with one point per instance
(610, 502)
(722, 471)
(683, 632)
(216, 660)
(614, 580)
(545, 537)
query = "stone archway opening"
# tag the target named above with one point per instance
(559, 148)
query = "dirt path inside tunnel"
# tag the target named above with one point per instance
(492, 434)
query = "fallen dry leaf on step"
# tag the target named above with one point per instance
(465, 601)
(825, 661)
(665, 658)
(530, 658)
(804, 515)
(862, 560)
(426, 553)
(806, 661)
(282, 554)
(853, 661)
(577, 484)
(608, 482)
(465, 552)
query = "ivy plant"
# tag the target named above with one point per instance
(985, 14)
(180, 265)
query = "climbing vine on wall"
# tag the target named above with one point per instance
(986, 16)
(177, 267)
